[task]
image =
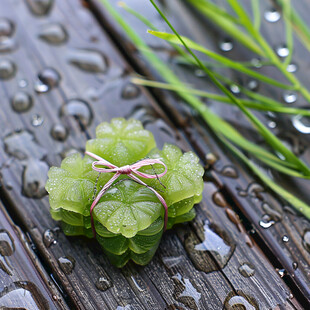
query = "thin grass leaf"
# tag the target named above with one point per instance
(286, 195)
(272, 140)
(289, 30)
(228, 23)
(172, 38)
(257, 105)
(300, 27)
(256, 14)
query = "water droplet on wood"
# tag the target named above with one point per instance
(7, 247)
(292, 68)
(273, 214)
(87, 60)
(34, 178)
(226, 45)
(272, 124)
(253, 85)
(282, 272)
(235, 89)
(301, 123)
(289, 97)
(79, 109)
(256, 63)
(219, 199)
(23, 83)
(40, 7)
(22, 145)
(240, 301)
(59, 132)
(217, 243)
(186, 292)
(230, 172)
(53, 33)
(48, 78)
(171, 261)
(7, 69)
(21, 102)
(7, 44)
(247, 270)
(282, 51)
(272, 15)
(306, 240)
(7, 27)
(130, 91)
(211, 159)
(265, 224)
(66, 264)
(49, 237)
(295, 265)
(285, 239)
(103, 283)
(22, 295)
(36, 120)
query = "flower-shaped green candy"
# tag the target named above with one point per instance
(121, 142)
(128, 207)
(71, 187)
(183, 179)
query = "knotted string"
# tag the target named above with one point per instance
(131, 171)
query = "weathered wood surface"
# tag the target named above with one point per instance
(242, 188)
(24, 282)
(179, 276)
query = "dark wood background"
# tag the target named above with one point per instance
(245, 266)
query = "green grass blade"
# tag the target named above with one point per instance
(293, 200)
(227, 23)
(172, 38)
(272, 140)
(256, 13)
(257, 105)
(289, 30)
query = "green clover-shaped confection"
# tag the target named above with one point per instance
(140, 259)
(184, 175)
(71, 230)
(121, 142)
(127, 208)
(187, 217)
(71, 187)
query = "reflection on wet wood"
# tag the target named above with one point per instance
(24, 282)
(73, 79)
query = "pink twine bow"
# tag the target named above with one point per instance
(131, 171)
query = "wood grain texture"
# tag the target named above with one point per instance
(24, 282)
(253, 207)
(179, 276)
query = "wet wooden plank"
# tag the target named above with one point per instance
(290, 227)
(27, 143)
(24, 282)
(172, 273)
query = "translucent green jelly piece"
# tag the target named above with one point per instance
(121, 142)
(72, 186)
(71, 230)
(127, 208)
(72, 218)
(187, 217)
(181, 207)
(138, 244)
(183, 178)
(153, 229)
(140, 259)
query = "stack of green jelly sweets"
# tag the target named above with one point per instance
(129, 218)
